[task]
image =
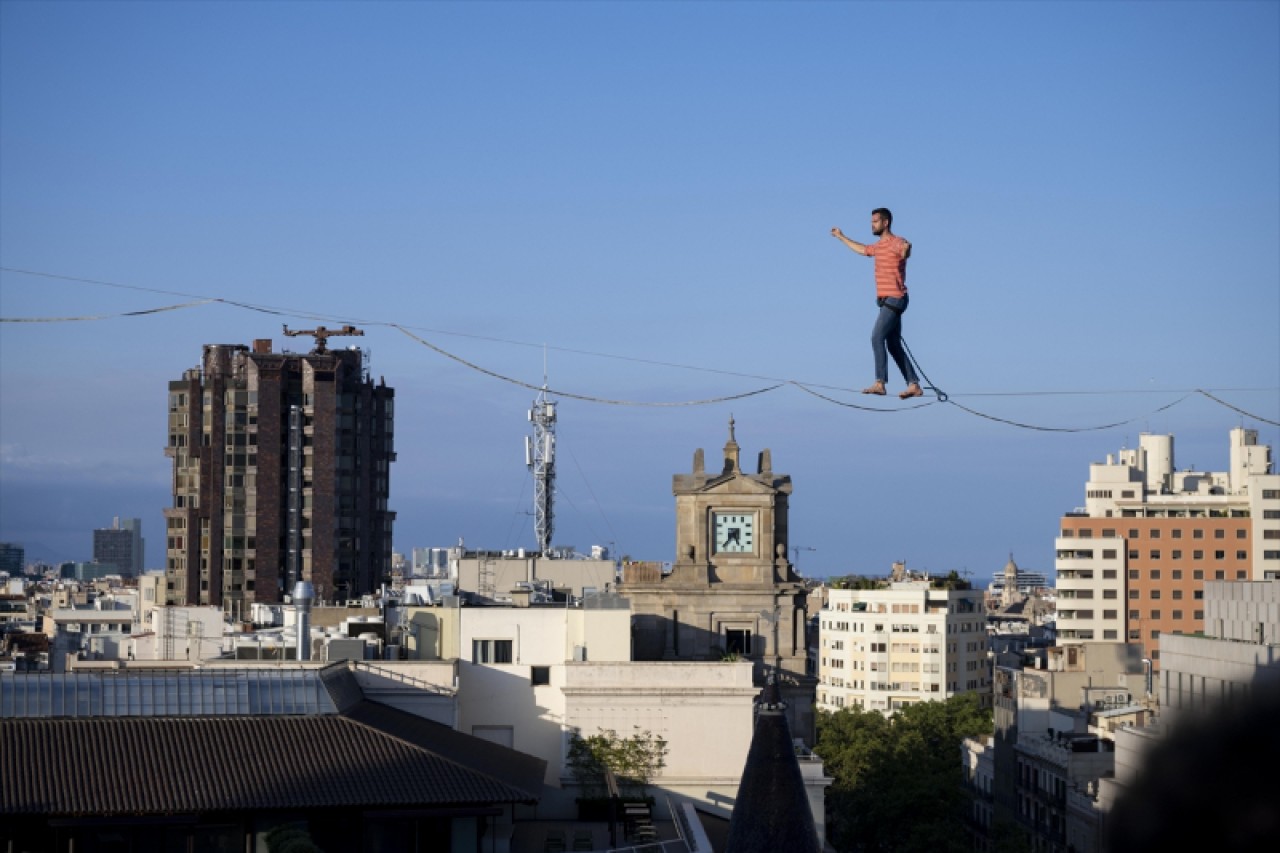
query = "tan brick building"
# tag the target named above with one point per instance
(1131, 565)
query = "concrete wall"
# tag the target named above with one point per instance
(703, 711)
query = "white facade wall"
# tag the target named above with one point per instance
(1264, 509)
(1244, 611)
(1090, 590)
(977, 756)
(885, 648)
(1201, 672)
(704, 710)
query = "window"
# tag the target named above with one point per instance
(1133, 534)
(1197, 574)
(1219, 534)
(1197, 555)
(1219, 575)
(1133, 593)
(1133, 574)
(738, 641)
(491, 651)
(1109, 533)
(1197, 534)
(1133, 555)
(1219, 555)
(1135, 634)
(1155, 555)
(1198, 595)
(1241, 575)
(1270, 494)
(1177, 555)
(1108, 593)
(1155, 574)
(1242, 555)
(1108, 614)
(540, 675)
(1240, 534)
(1109, 554)
(1109, 635)
(1155, 594)
(1134, 614)
(1199, 614)
(1155, 534)
(1177, 534)
(1177, 594)
(1177, 574)
(1177, 614)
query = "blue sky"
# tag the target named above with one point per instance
(1092, 190)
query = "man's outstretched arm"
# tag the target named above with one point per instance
(852, 244)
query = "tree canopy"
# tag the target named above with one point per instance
(898, 779)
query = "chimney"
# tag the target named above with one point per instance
(303, 594)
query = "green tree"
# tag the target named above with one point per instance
(897, 779)
(634, 760)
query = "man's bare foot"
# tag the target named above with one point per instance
(877, 388)
(913, 390)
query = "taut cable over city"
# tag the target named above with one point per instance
(775, 383)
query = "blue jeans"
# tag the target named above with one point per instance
(887, 334)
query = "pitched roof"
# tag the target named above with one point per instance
(170, 743)
(168, 765)
(772, 809)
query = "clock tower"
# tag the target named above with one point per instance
(731, 593)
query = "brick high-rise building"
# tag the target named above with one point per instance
(281, 472)
(1132, 563)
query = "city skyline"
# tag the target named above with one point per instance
(637, 199)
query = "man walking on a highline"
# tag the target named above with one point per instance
(891, 253)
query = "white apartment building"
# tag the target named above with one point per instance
(905, 642)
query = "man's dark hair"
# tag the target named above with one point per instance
(884, 214)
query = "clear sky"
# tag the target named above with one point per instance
(1092, 191)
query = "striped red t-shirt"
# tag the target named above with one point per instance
(891, 267)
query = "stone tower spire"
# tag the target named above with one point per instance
(1010, 594)
(731, 451)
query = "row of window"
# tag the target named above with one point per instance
(1154, 533)
(1176, 594)
(1173, 614)
(1195, 555)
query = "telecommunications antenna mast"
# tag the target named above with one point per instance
(540, 456)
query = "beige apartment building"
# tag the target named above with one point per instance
(1132, 563)
(910, 640)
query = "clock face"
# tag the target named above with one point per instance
(733, 533)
